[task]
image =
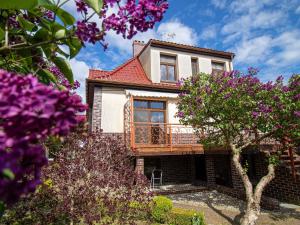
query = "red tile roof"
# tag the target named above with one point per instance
(130, 72)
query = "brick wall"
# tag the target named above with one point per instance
(96, 110)
(283, 187)
(176, 169)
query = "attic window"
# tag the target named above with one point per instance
(194, 66)
(167, 68)
(218, 67)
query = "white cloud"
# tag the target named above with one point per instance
(298, 10)
(219, 3)
(288, 44)
(277, 52)
(209, 33)
(80, 70)
(254, 50)
(244, 24)
(176, 31)
(173, 30)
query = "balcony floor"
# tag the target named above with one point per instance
(150, 150)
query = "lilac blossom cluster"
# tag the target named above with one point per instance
(226, 83)
(62, 80)
(29, 112)
(132, 17)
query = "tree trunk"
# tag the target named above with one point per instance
(253, 198)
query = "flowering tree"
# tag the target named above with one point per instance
(38, 37)
(29, 112)
(36, 32)
(94, 180)
(239, 111)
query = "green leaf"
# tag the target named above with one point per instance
(27, 25)
(95, 4)
(74, 45)
(18, 4)
(64, 67)
(8, 174)
(60, 34)
(47, 76)
(2, 34)
(65, 17)
(2, 208)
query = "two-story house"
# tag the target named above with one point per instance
(137, 101)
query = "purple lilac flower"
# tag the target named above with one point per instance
(297, 113)
(29, 111)
(180, 114)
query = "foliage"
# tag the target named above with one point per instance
(36, 208)
(230, 107)
(94, 180)
(162, 207)
(238, 111)
(186, 217)
(38, 37)
(29, 112)
(43, 33)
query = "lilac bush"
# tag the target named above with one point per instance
(239, 111)
(29, 112)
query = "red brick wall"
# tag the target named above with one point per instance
(283, 187)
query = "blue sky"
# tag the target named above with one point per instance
(262, 33)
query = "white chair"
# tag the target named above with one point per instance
(156, 178)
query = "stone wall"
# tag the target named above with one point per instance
(97, 109)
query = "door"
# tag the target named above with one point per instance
(200, 166)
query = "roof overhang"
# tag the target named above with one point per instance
(188, 48)
(91, 83)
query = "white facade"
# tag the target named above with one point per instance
(109, 102)
(150, 60)
(114, 100)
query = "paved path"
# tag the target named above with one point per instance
(221, 209)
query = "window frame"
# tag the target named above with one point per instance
(197, 65)
(149, 109)
(218, 62)
(167, 66)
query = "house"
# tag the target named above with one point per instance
(137, 102)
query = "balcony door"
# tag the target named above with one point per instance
(149, 121)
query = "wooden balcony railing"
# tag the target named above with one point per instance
(161, 134)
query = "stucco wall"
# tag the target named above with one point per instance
(113, 101)
(146, 62)
(184, 67)
(111, 106)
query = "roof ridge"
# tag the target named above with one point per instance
(187, 45)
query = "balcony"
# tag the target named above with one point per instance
(163, 139)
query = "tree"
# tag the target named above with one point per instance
(33, 37)
(239, 111)
(41, 32)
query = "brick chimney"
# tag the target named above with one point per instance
(137, 47)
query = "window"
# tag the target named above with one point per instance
(167, 68)
(194, 66)
(149, 120)
(218, 67)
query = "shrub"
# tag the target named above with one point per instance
(161, 209)
(186, 217)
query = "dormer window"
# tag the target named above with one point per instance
(168, 68)
(194, 66)
(218, 67)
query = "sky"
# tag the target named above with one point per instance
(264, 34)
